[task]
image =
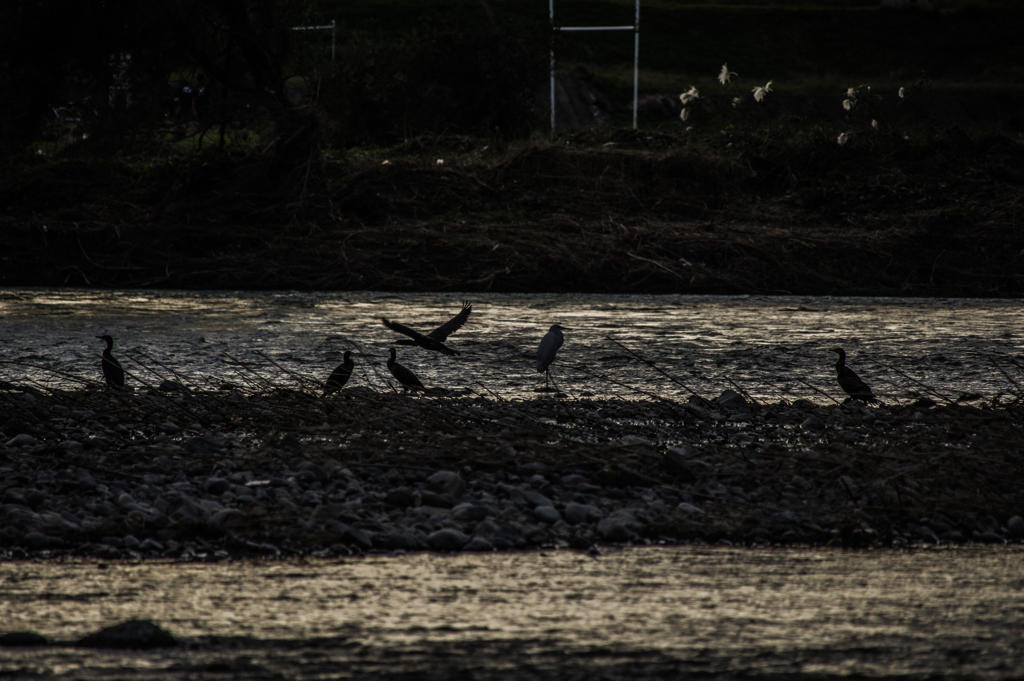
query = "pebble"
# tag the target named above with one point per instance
(134, 634)
(547, 514)
(447, 540)
(22, 639)
(576, 514)
(146, 489)
(23, 440)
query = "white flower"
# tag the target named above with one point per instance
(736, 101)
(690, 95)
(684, 114)
(440, 161)
(844, 138)
(848, 104)
(386, 163)
(874, 124)
(851, 93)
(760, 92)
(902, 93)
(725, 74)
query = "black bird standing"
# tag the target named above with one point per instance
(435, 339)
(850, 382)
(405, 377)
(549, 345)
(113, 373)
(339, 377)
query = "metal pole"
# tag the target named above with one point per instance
(334, 33)
(551, 17)
(636, 57)
(636, 52)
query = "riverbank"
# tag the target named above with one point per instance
(779, 208)
(209, 475)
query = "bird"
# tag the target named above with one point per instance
(113, 373)
(851, 382)
(435, 339)
(339, 377)
(405, 377)
(549, 345)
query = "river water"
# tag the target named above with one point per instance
(771, 347)
(636, 613)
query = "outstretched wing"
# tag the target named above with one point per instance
(442, 332)
(418, 338)
(402, 329)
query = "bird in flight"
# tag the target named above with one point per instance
(435, 339)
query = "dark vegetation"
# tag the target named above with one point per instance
(321, 174)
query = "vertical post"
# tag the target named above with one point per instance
(334, 34)
(551, 17)
(636, 57)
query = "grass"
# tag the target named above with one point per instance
(758, 198)
(802, 45)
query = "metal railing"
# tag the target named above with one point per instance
(334, 32)
(636, 52)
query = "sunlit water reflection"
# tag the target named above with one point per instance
(771, 347)
(639, 612)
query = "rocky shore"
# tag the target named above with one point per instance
(214, 475)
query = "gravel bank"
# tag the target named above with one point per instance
(213, 475)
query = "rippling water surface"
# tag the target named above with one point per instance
(771, 347)
(632, 613)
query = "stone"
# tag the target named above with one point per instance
(576, 514)
(170, 427)
(402, 541)
(134, 634)
(534, 498)
(216, 486)
(447, 539)
(202, 444)
(675, 463)
(436, 500)
(813, 423)
(783, 517)
(471, 512)
(38, 541)
(22, 638)
(351, 535)
(688, 508)
(1016, 526)
(23, 440)
(547, 514)
(730, 399)
(478, 543)
(447, 483)
(170, 386)
(613, 529)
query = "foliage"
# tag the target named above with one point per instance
(443, 76)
